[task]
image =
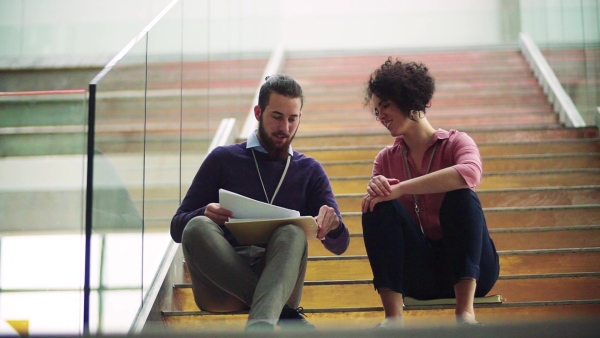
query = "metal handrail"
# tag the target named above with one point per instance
(560, 100)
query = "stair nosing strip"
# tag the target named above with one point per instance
(489, 191)
(501, 209)
(543, 207)
(505, 209)
(469, 130)
(539, 156)
(528, 229)
(486, 158)
(509, 304)
(546, 229)
(494, 173)
(413, 307)
(370, 281)
(500, 252)
(480, 144)
(478, 191)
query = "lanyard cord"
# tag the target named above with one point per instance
(415, 197)
(287, 165)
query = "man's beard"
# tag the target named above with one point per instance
(267, 143)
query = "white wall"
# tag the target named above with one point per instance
(72, 29)
(322, 24)
(86, 31)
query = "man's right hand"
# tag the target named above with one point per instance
(217, 214)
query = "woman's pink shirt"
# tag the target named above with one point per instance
(454, 149)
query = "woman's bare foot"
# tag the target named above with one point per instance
(391, 323)
(466, 319)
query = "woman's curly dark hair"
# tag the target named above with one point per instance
(408, 84)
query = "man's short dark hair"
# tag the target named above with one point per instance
(282, 85)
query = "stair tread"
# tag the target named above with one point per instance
(353, 319)
(557, 289)
(535, 239)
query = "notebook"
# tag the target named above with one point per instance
(254, 222)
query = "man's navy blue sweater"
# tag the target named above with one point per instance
(305, 188)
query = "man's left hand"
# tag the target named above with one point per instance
(327, 220)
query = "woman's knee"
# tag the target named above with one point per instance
(385, 217)
(381, 212)
(459, 199)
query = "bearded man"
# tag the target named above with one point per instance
(266, 279)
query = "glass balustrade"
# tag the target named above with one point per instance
(42, 187)
(568, 34)
(156, 108)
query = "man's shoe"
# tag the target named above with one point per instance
(291, 318)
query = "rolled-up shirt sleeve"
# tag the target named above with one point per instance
(467, 159)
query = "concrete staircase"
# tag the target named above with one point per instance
(540, 192)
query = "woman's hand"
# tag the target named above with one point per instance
(381, 185)
(379, 189)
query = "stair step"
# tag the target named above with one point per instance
(450, 123)
(382, 138)
(518, 217)
(39, 113)
(511, 262)
(504, 240)
(338, 108)
(525, 179)
(544, 196)
(352, 93)
(491, 164)
(355, 153)
(353, 319)
(496, 218)
(538, 288)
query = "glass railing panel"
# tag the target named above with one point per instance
(42, 185)
(570, 55)
(568, 34)
(118, 190)
(591, 33)
(158, 140)
(219, 81)
(162, 138)
(195, 136)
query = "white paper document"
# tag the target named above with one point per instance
(243, 207)
(254, 222)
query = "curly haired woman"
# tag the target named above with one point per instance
(423, 225)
